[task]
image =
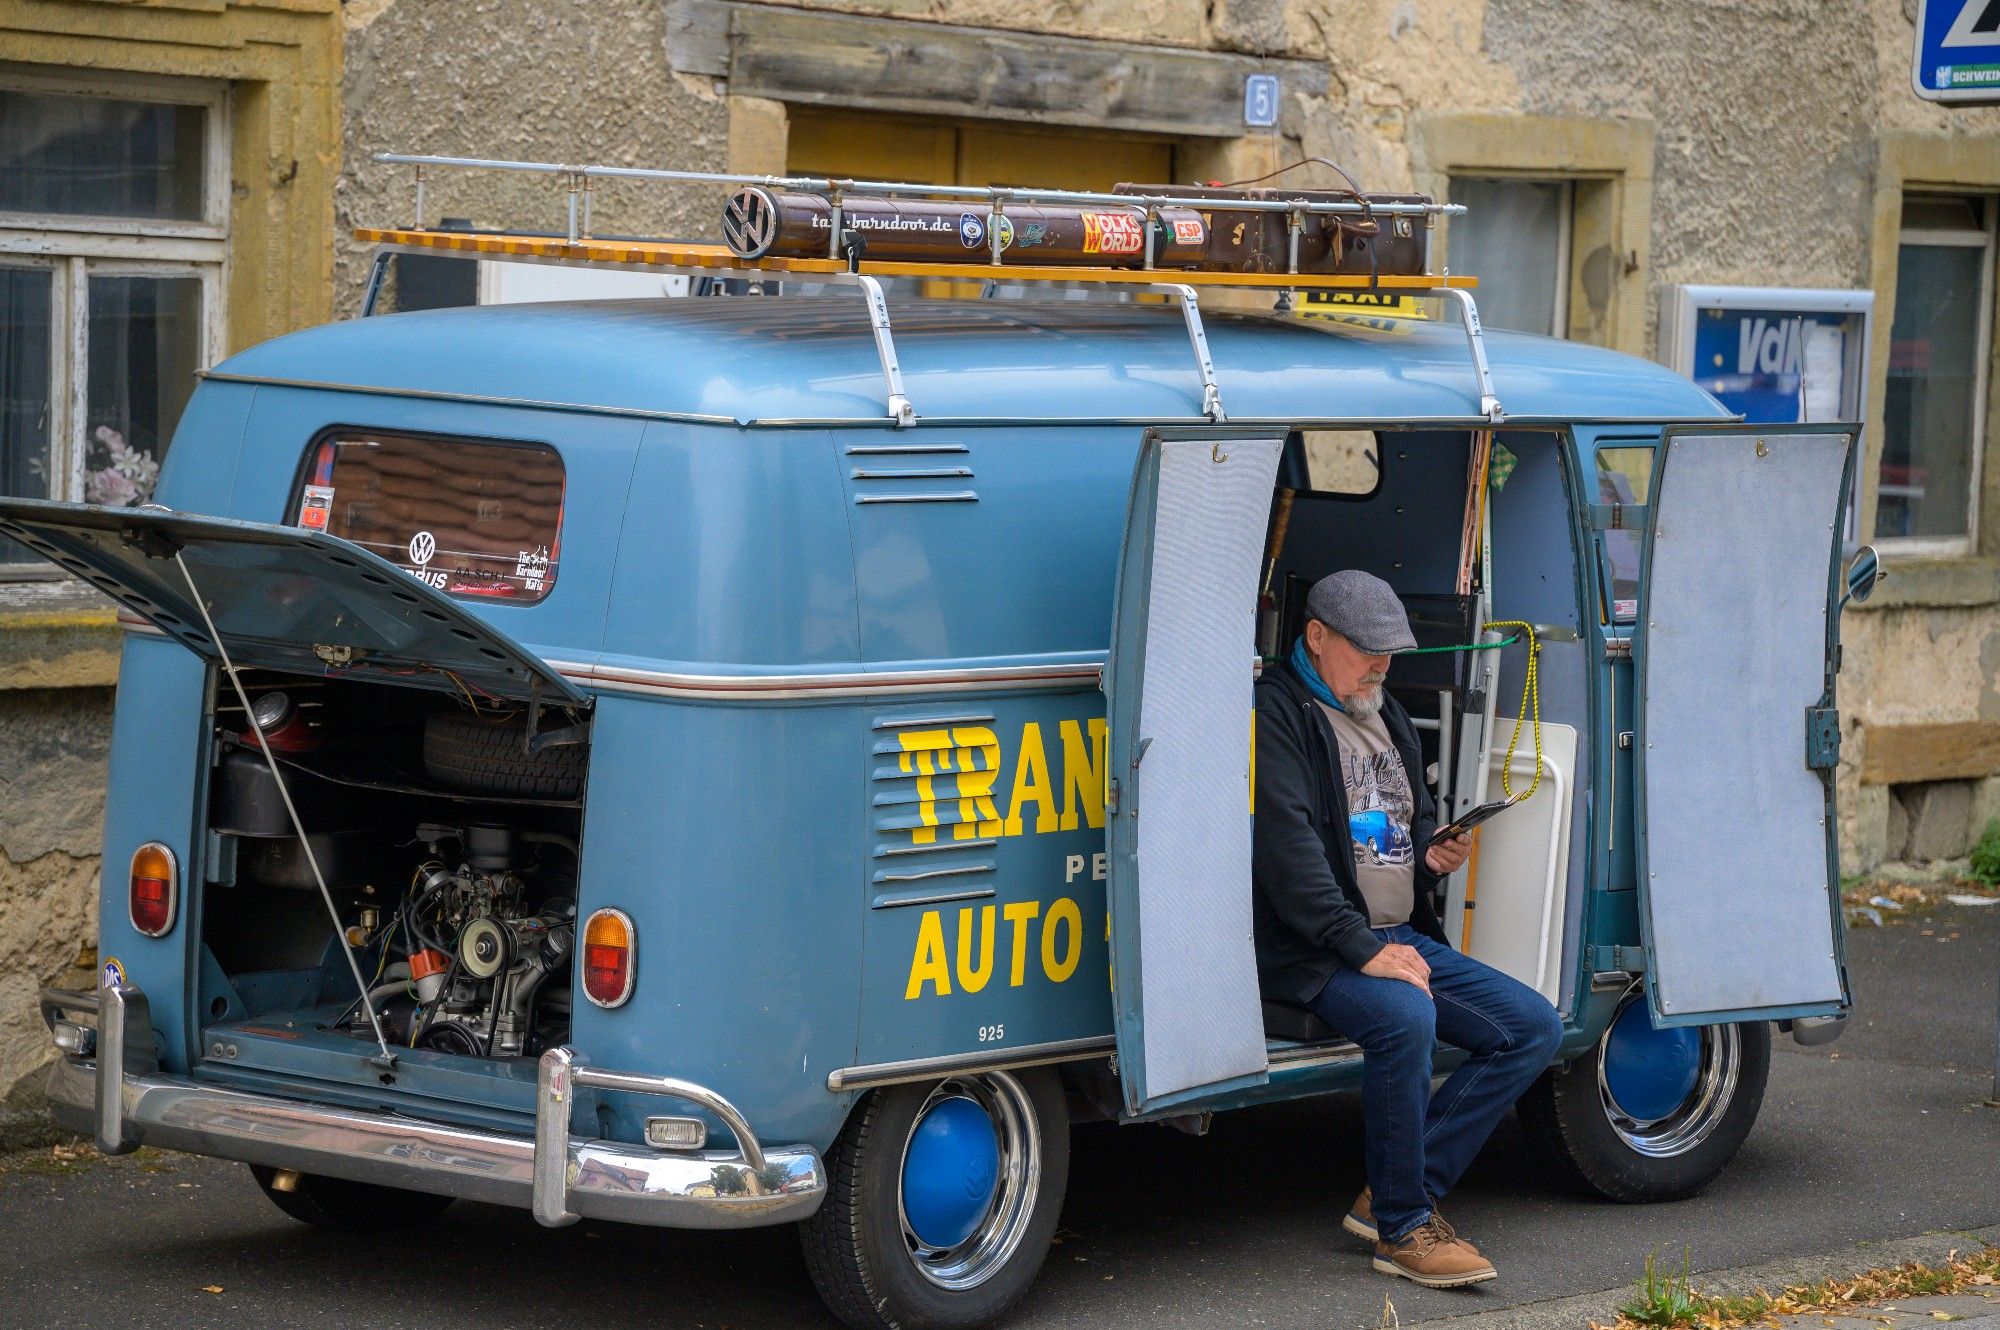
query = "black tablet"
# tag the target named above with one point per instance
(1470, 820)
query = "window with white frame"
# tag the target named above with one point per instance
(1515, 238)
(1935, 416)
(114, 196)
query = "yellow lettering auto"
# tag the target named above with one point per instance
(932, 966)
(972, 977)
(928, 964)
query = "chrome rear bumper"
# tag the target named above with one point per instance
(123, 1099)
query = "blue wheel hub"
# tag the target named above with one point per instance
(1649, 1073)
(950, 1172)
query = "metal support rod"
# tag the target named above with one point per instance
(1489, 404)
(1295, 224)
(1190, 303)
(378, 270)
(575, 187)
(285, 794)
(833, 222)
(993, 216)
(587, 193)
(826, 186)
(1152, 221)
(900, 410)
(420, 196)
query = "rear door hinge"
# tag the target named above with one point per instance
(1618, 516)
(1631, 960)
(1822, 738)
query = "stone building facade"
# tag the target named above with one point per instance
(1754, 142)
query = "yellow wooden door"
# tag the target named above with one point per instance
(872, 147)
(851, 146)
(1053, 159)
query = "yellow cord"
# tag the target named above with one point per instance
(1531, 705)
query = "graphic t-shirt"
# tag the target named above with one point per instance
(1379, 809)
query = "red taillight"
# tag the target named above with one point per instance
(610, 948)
(155, 894)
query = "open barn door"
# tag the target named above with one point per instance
(1184, 970)
(1737, 736)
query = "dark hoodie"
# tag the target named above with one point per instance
(1310, 917)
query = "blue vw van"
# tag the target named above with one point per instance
(743, 806)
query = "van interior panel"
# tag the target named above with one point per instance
(1520, 914)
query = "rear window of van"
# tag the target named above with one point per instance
(471, 517)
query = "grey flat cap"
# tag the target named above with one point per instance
(1362, 608)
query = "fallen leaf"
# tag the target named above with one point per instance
(1945, 1316)
(211, 1288)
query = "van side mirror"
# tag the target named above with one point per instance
(1864, 570)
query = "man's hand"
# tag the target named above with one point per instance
(1399, 961)
(1447, 855)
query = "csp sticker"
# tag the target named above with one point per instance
(1189, 231)
(1112, 233)
(316, 507)
(113, 972)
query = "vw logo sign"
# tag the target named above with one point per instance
(423, 547)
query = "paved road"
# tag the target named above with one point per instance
(1880, 1136)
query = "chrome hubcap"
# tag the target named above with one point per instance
(981, 1132)
(1665, 1091)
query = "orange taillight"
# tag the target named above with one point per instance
(610, 947)
(155, 890)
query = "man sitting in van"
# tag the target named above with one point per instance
(1344, 874)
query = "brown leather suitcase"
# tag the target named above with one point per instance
(1252, 240)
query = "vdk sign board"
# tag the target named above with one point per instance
(1957, 51)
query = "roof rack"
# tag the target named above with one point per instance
(578, 248)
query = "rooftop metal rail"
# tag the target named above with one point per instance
(577, 247)
(579, 175)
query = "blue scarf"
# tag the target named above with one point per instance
(1302, 665)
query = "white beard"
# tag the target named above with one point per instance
(1364, 705)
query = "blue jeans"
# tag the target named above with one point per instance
(1419, 1144)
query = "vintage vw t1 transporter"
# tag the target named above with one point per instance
(721, 762)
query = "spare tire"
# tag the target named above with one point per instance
(478, 755)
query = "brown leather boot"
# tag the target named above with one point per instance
(1432, 1256)
(1360, 1217)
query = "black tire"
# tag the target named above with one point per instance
(1570, 1118)
(858, 1246)
(481, 756)
(349, 1207)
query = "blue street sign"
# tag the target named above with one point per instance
(1958, 51)
(1260, 100)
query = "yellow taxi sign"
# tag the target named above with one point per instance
(1374, 304)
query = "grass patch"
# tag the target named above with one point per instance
(1984, 866)
(1665, 1296)
(1668, 1298)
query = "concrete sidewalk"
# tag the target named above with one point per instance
(1574, 1313)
